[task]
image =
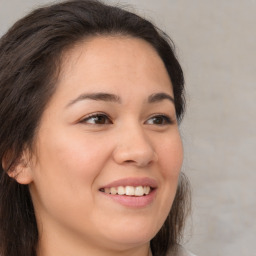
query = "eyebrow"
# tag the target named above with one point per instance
(99, 96)
(157, 97)
(108, 97)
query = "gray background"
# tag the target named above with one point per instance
(216, 44)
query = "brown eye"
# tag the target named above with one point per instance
(100, 119)
(159, 120)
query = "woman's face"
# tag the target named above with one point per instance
(109, 128)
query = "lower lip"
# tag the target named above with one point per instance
(133, 201)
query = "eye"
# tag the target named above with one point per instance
(99, 119)
(159, 120)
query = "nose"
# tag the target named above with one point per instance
(134, 148)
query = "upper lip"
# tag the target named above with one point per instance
(132, 181)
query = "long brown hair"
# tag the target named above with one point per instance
(30, 58)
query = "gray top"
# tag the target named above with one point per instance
(181, 252)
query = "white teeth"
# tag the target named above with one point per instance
(139, 191)
(128, 190)
(113, 191)
(120, 190)
(146, 190)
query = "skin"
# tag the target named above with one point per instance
(75, 155)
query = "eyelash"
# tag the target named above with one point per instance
(96, 115)
(166, 119)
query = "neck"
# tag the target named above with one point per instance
(54, 251)
(59, 247)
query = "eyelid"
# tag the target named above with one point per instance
(95, 114)
(168, 119)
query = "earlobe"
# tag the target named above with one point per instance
(21, 171)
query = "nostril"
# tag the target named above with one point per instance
(136, 155)
(129, 161)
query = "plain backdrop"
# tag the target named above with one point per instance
(216, 44)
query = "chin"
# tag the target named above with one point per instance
(131, 236)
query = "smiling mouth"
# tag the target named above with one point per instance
(127, 190)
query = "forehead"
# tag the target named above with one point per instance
(106, 52)
(112, 63)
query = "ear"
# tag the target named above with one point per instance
(21, 170)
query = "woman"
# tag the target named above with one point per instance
(90, 101)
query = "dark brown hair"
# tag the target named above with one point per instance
(30, 58)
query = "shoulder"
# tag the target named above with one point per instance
(181, 252)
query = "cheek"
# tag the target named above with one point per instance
(64, 177)
(73, 154)
(170, 160)
(68, 165)
(171, 157)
